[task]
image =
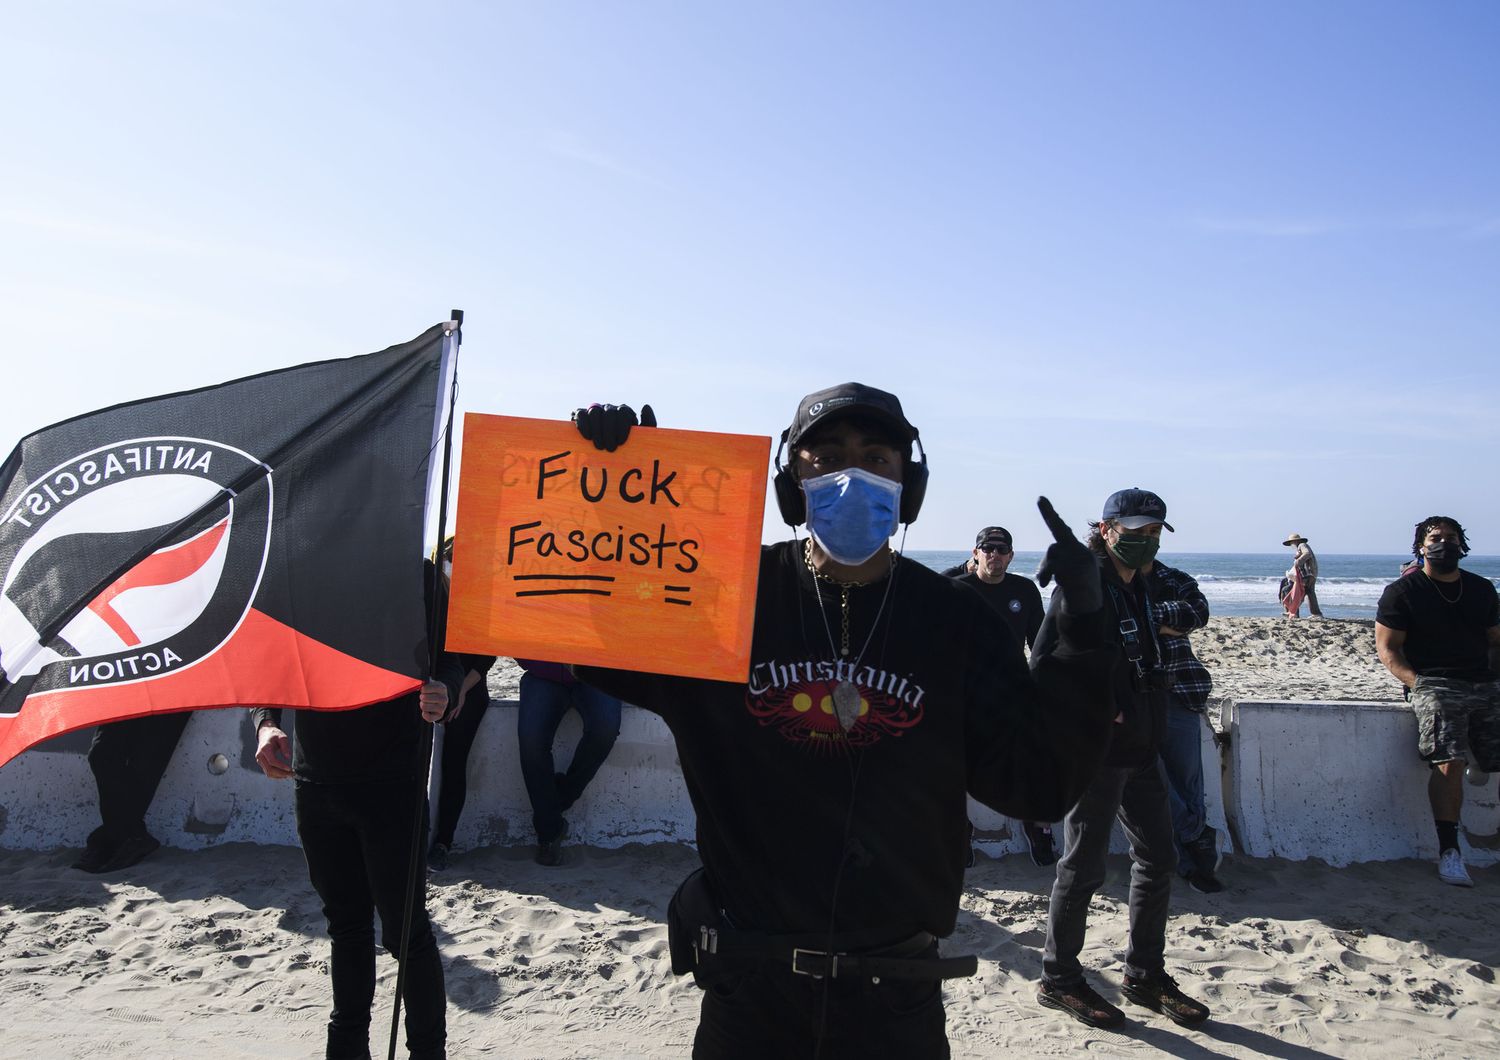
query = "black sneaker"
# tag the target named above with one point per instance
(1204, 852)
(1160, 994)
(437, 857)
(1203, 860)
(549, 853)
(1204, 884)
(131, 850)
(1080, 1001)
(97, 850)
(1039, 839)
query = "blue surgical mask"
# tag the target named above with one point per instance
(852, 513)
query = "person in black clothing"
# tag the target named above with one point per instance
(358, 782)
(830, 785)
(1130, 787)
(1015, 598)
(128, 759)
(1437, 630)
(460, 728)
(1018, 601)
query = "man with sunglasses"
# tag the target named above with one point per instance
(1019, 602)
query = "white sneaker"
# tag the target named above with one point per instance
(1451, 869)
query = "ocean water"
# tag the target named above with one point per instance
(1240, 583)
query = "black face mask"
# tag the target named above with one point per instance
(1135, 550)
(1444, 556)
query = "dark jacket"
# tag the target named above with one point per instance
(1140, 686)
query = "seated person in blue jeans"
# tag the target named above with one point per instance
(547, 691)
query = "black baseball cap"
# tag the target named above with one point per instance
(850, 399)
(992, 535)
(1135, 508)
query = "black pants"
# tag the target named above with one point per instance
(458, 741)
(357, 841)
(128, 759)
(769, 1011)
(1138, 798)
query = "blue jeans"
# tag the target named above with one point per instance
(543, 705)
(1182, 759)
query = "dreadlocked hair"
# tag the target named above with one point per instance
(1425, 527)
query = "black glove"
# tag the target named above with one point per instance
(1071, 563)
(607, 426)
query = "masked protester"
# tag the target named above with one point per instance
(1130, 787)
(1437, 629)
(830, 785)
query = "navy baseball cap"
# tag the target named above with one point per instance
(1135, 508)
(850, 399)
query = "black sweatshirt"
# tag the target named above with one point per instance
(790, 807)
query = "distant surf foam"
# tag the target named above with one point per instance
(1245, 584)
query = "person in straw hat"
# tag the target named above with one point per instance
(1307, 563)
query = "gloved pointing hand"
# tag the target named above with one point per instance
(1071, 563)
(607, 426)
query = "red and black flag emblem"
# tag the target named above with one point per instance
(258, 542)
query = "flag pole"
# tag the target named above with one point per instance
(436, 615)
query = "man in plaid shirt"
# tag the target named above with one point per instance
(1179, 609)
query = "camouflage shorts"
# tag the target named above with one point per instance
(1456, 718)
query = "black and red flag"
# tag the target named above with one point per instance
(258, 542)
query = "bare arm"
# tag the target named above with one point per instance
(1390, 645)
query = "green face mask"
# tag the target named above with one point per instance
(1135, 550)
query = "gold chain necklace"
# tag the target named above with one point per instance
(846, 697)
(1444, 595)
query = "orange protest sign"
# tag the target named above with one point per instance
(641, 559)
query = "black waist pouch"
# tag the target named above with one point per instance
(694, 920)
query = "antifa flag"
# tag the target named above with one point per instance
(258, 542)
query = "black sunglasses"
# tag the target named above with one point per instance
(1003, 550)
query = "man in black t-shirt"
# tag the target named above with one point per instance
(1019, 602)
(1437, 630)
(1017, 599)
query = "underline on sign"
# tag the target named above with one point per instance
(564, 592)
(684, 603)
(563, 577)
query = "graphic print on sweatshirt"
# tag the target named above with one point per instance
(796, 698)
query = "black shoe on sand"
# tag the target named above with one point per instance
(549, 853)
(97, 850)
(1080, 1001)
(131, 851)
(1160, 994)
(1039, 839)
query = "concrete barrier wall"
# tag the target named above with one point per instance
(1337, 781)
(1341, 782)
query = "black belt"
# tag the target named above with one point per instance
(883, 963)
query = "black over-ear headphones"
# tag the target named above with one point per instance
(793, 503)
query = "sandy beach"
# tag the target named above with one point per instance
(221, 951)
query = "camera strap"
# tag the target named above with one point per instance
(1131, 641)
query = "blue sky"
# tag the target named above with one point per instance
(1248, 257)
